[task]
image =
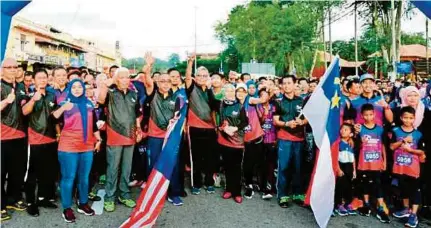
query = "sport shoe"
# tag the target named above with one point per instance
(176, 201)
(350, 210)
(341, 210)
(133, 183)
(196, 191)
(365, 210)
(217, 180)
(227, 195)
(211, 190)
(284, 202)
(413, 221)
(45, 203)
(404, 213)
(357, 203)
(266, 196)
(68, 215)
(382, 216)
(33, 210)
(238, 199)
(249, 192)
(109, 206)
(18, 206)
(4, 216)
(127, 202)
(85, 209)
(299, 199)
(93, 197)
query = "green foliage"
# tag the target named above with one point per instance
(213, 65)
(138, 63)
(173, 59)
(274, 33)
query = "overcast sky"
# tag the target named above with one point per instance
(162, 26)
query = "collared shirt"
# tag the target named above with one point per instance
(12, 119)
(122, 111)
(162, 110)
(289, 109)
(41, 127)
(201, 104)
(232, 114)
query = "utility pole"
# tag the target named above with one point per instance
(323, 39)
(330, 33)
(394, 43)
(356, 43)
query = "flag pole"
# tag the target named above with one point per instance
(196, 35)
(394, 44)
(330, 33)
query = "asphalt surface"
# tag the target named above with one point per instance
(204, 210)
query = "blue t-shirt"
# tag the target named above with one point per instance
(346, 153)
(378, 110)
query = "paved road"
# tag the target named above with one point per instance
(201, 211)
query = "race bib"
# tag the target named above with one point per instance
(371, 156)
(404, 159)
(267, 126)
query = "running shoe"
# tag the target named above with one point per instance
(357, 203)
(33, 210)
(210, 189)
(93, 197)
(109, 206)
(284, 202)
(227, 195)
(341, 210)
(249, 192)
(382, 216)
(68, 215)
(365, 210)
(85, 209)
(196, 191)
(350, 210)
(238, 199)
(18, 206)
(404, 213)
(267, 196)
(299, 199)
(413, 221)
(133, 183)
(4, 216)
(45, 203)
(127, 202)
(176, 201)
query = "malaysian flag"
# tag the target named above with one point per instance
(153, 196)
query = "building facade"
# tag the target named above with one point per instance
(35, 44)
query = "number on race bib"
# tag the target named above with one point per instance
(372, 156)
(267, 126)
(403, 159)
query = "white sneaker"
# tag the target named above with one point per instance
(133, 183)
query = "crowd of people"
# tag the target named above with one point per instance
(243, 135)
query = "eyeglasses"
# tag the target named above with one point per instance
(10, 67)
(202, 75)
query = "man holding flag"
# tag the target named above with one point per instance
(323, 113)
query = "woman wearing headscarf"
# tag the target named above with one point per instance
(410, 96)
(233, 120)
(76, 145)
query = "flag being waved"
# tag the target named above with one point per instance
(153, 196)
(323, 113)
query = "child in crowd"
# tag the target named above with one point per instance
(408, 153)
(371, 163)
(346, 172)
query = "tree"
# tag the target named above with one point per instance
(282, 34)
(173, 59)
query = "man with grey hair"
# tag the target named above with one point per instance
(123, 131)
(201, 128)
(12, 139)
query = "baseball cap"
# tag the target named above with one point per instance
(365, 77)
(241, 86)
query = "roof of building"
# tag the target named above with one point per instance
(343, 63)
